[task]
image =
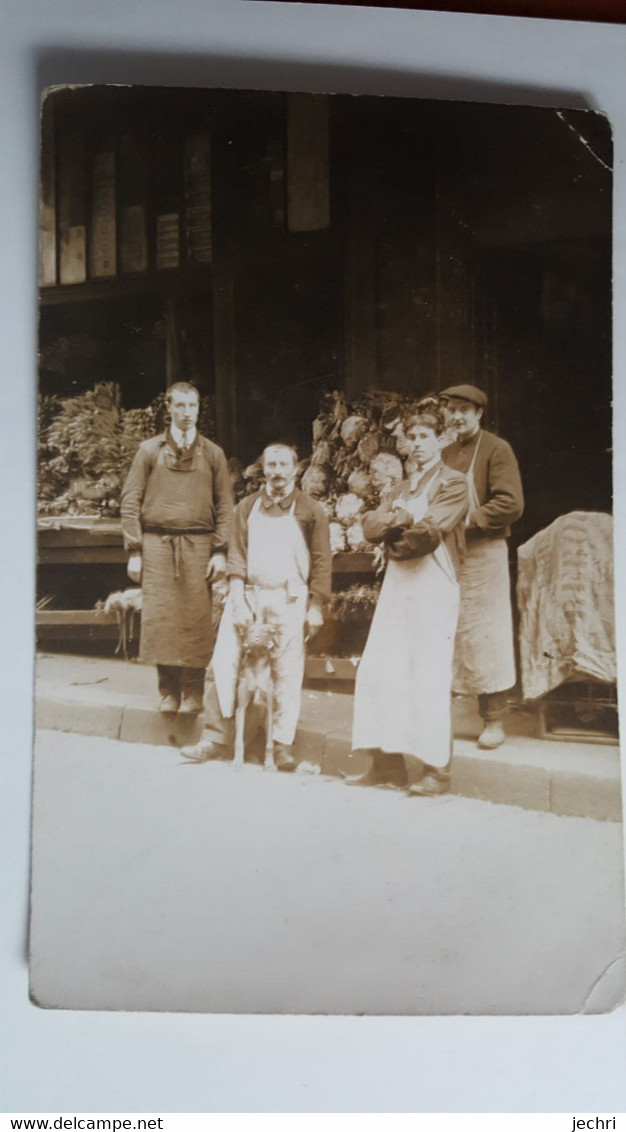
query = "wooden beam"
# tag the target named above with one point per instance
(361, 323)
(47, 205)
(308, 195)
(454, 295)
(72, 209)
(224, 275)
(224, 351)
(103, 235)
(160, 285)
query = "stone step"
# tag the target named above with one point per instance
(573, 779)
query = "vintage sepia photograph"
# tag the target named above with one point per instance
(326, 696)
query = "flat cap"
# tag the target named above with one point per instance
(465, 393)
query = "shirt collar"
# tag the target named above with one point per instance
(419, 473)
(267, 502)
(182, 439)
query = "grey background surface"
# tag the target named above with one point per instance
(117, 1062)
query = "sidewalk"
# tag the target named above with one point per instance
(117, 700)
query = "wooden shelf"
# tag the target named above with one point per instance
(79, 543)
(353, 562)
(80, 540)
(164, 284)
(74, 624)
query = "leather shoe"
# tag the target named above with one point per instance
(429, 787)
(389, 771)
(492, 735)
(169, 703)
(371, 777)
(203, 752)
(190, 704)
(283, 758)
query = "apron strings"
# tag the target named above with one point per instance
(177, 550)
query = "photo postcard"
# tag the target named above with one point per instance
(326, 694)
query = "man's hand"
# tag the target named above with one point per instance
(314, 620)
(133, 568)
(216, 567)
(402, 518)
(242, 614)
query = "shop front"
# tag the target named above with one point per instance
(276, 248)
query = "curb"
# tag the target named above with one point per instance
(534, 776)
(129, 723)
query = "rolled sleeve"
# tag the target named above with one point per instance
(237, 561)
(505, 504)
(379, 524)
(131, 500)
(321, 559)
(445, 512)
(223, 502)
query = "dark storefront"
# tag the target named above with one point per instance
(273, 247)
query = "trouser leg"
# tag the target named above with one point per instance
(492, 705)
(288, 677)
(192, 681)
(169, 678)
(217, 729)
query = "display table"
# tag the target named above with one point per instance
(69, 547)
(79, 541)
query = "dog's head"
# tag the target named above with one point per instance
(260, 637)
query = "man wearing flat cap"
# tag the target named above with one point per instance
(484, 663)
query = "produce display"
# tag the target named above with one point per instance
(87, 443)
(358, 454)
(355, 603)
(86, 446)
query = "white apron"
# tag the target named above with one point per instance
(484, 658)
(278, 567)
(402, 694)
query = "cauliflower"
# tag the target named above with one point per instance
(337, 538)
(355, 538)
(315, 482)
(352, 430)
(360, 483)
(386, 471)
(322, 454)
(402, 445)
(348, 507)
(368, 447)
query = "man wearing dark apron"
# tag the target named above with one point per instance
(176, 513)
(484, 662)
(279, 560)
